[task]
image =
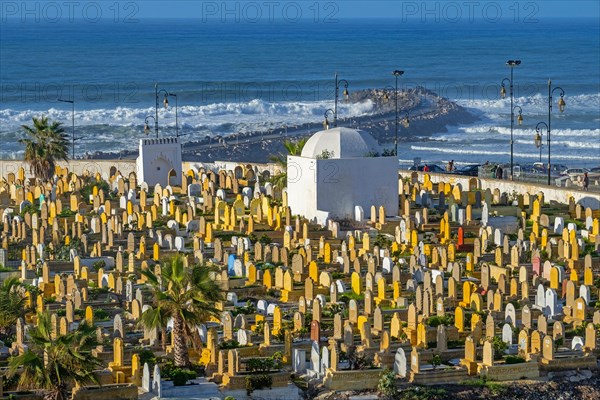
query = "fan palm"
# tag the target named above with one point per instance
(187, 295)
(12, 305)
(53, 364)
(156, 318)
(293, 149)
(46, 143)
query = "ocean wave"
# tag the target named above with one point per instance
(483, 152)
(208, 116)
(530, 131)
(571, 144)
(535, 104)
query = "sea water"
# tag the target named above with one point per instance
(243, 77)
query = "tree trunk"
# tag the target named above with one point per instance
(58, 392)
(180, 348)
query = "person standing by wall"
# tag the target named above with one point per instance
(499, 172)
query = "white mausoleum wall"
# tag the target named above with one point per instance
(156, 158)
(333, 187)
(301, 186)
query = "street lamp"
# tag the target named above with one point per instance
(397, 74)
(386, 90)
(538, 138)
(326, 121)
(520, 116)
(511, 64)
(338, 82)
(147, 125)
(73, 125)
(406, 119)
(561, 106)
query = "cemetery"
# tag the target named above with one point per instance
(209, 283)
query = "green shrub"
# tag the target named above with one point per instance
(98, 264)
(436, 361)
(181, 376)
(337, 275)
(387, 384)
(100, 314)
(30, 209)
(262, 364)
(514, 360)
(147, 356)
(435, 321)
(499, 347)
(258, 382)
(229, 344)
(264, 239)
(248, 309)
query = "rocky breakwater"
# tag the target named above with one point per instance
(428, 114)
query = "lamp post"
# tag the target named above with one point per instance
(326, 121)
(511, 64)
(73, 126)
(338, 82)
(538, 138)
(561, 107)
(166, 103)
(397, 74)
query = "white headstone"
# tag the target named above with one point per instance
(299, 357)
(156, 382)
(146, 381)
(400, 362)
(507, 334)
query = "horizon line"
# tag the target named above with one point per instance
(308, 18)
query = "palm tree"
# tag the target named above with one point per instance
(12, 305)
(53, 364)
(293, 149)
(46, 144)
(187, 296)
(156, 318)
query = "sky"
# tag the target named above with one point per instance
(248, 9)
(318, 10)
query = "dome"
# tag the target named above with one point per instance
(343, 142)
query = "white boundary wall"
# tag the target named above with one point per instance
(551, 193)
(587, 199)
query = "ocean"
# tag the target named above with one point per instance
(244, 76)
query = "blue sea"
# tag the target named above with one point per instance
(245, 76)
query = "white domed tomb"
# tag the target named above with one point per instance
(338, 171)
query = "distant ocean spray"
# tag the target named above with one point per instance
(247, 77)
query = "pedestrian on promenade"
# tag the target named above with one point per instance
(450, 166)
(586, 182)
(499, 172)
(426, 168)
